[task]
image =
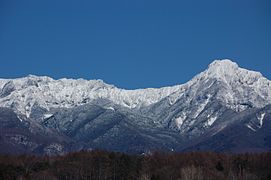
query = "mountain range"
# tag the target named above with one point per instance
(225, 108)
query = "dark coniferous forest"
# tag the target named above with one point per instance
(113, 166)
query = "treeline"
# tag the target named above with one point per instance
(103, 165)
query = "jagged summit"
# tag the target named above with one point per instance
(229, 72)
(228, 67)
(224, 63)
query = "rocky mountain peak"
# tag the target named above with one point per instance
(230, 73)
(225, 64)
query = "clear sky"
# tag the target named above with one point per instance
(132, 43)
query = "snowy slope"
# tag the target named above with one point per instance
(242, 87)
(208, 96)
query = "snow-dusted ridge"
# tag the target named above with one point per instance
(240, 86)
(23, 93)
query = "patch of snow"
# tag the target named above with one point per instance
(19, 118)
(46, 116)
(175, 96)
(202, 106)
(180, 120)
(211, 120)
(110, 108)
(250, 127)
(260, 118)
(218, 129)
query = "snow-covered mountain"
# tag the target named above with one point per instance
(169, 116)
(240, 86)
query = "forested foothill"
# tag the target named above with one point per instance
(153, 166)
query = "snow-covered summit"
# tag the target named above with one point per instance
(224, 63)
(241, 87)
(229, 71)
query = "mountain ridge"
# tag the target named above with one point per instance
(93, 114)
(219, 69)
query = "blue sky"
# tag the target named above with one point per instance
(132, 44)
